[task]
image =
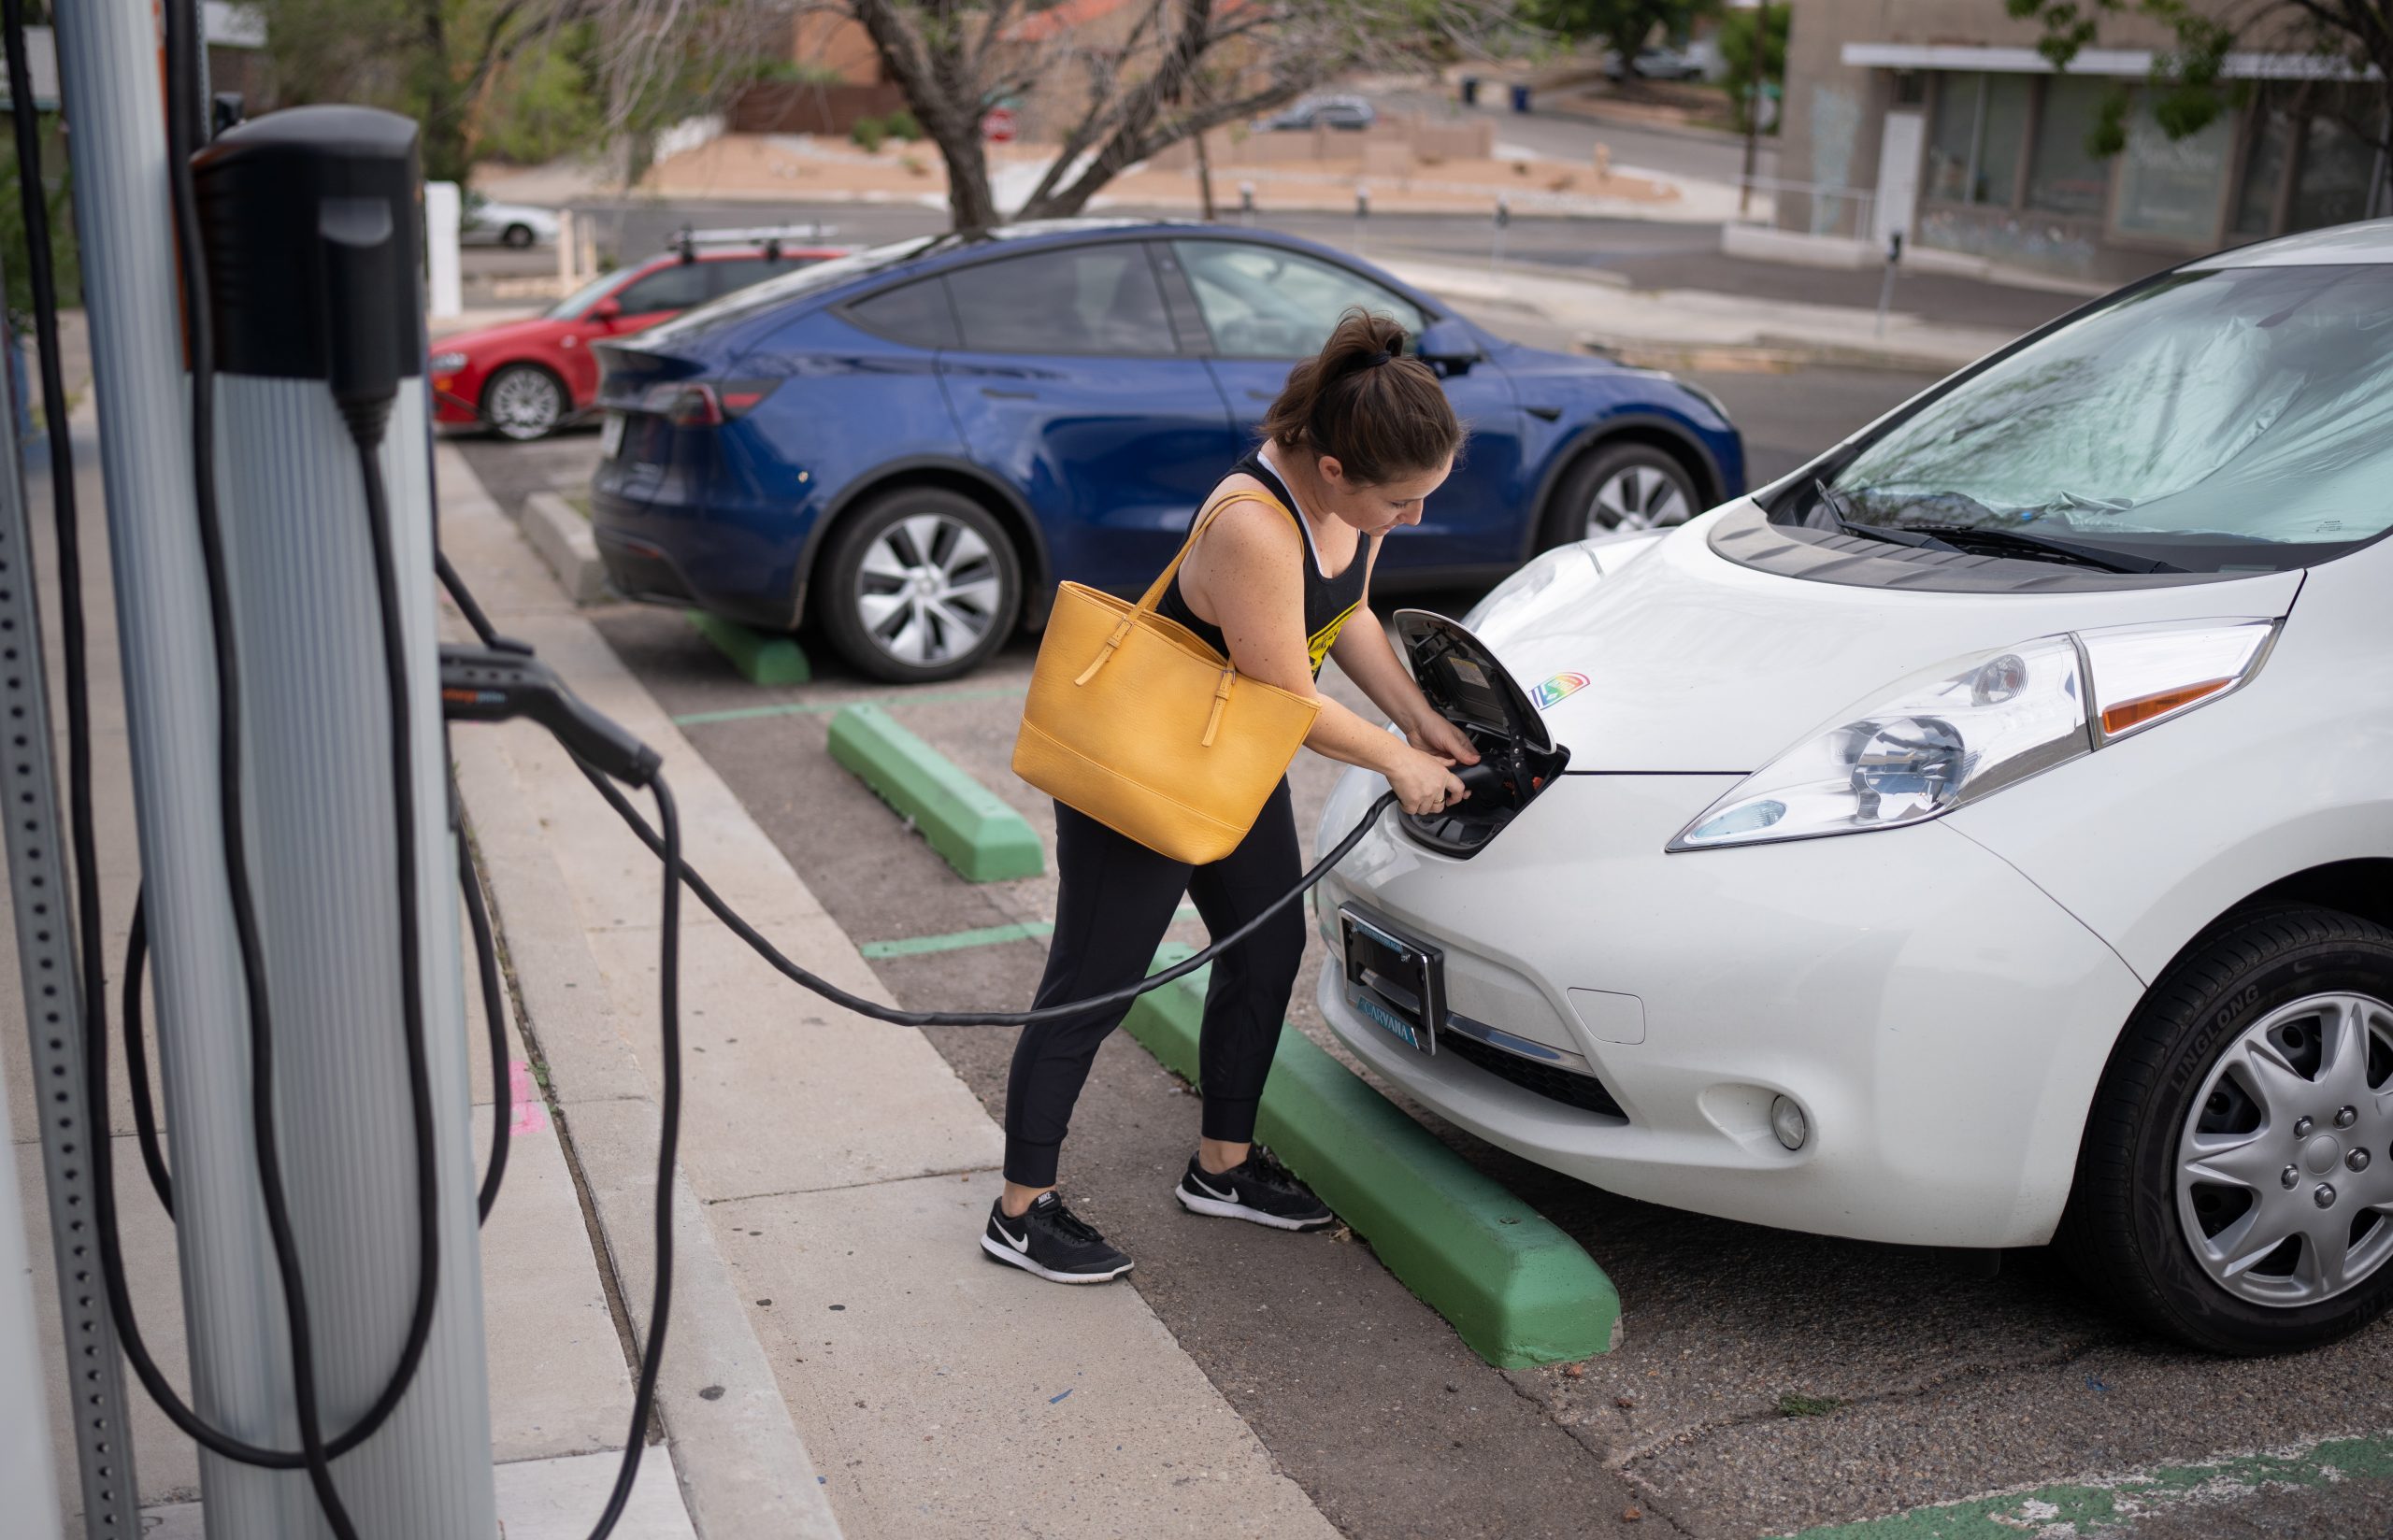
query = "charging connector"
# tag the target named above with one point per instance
(488, 684)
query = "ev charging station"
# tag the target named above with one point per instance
(310, 225)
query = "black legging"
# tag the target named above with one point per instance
(1116, 900)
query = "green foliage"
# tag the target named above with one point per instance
(792, 72)
(902, 125)
(63, 262)
(1626, 25)
(1738, 30)
(870, 133)
(542, 107)
(1803, 1405)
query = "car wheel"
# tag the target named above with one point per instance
(523, 402)
(517, 235)
(1621, 487)
(2235, 1189)
(920, 584)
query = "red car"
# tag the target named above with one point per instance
(524, 378)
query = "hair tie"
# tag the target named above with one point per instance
(1378, 358)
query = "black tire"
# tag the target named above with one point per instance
(517, 237)
(523, 402)
(1671, 495)
(2123, 1231)
(936, 628)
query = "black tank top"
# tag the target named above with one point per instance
(1327, 600)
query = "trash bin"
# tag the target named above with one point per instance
(1519, 98)
(1470, 90)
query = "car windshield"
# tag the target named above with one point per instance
(2232, 420)
(572, 307)
(789, 286)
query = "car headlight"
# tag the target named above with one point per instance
(1519, 592)
(447, 363)
(1958, 733)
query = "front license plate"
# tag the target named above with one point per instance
(611, 437)
(1395, 979)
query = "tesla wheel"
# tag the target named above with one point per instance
(517, 235)
(523, 402)
(920, 584)
(2235, 1189)
(1621, 487)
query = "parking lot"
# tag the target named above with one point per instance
(1768, 1382)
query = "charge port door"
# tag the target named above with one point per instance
(1469, 688)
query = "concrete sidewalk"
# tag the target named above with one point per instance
(837, 1170)
(1691, 328)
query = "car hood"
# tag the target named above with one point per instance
(513, 333)
(1679, 660)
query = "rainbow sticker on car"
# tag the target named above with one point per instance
(1558, 688)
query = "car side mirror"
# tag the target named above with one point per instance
(607, 309)
(1448, 346)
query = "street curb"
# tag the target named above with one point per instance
(1517, 1289)
(761, 659)
(978, 835)
(1765, 354)
(562, 538)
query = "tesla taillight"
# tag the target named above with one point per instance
(706, 404)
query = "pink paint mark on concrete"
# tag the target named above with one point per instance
(531, 1113)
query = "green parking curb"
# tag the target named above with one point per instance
(760, 657)
(979, 836)
(2091, 1507)
(1517, 1289)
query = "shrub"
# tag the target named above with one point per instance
(902, 125)
(870, 133)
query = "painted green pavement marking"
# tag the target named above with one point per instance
(966, 823)
(809, 708)
(986, 935)
(2110, 1505)
(760, 657)
(1519, 1290)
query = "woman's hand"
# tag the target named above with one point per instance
(1434, 735)
(1422, 782)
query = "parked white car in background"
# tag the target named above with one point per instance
(514, 225)
(1981, 837)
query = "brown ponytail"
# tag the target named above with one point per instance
(1380, 415)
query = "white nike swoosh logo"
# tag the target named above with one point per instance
(1021, 1246)
(1231, 1196)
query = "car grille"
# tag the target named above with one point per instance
(1583, 1091)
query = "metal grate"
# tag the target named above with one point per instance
(1583, 1091)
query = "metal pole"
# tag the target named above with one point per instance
(108, 55)
(1754, 71)
(46, 970)
(1495, 251)
(1362, 214)
(1886, 284)
(1246, 203)
(286, 201)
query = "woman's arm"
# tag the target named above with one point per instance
(1361, 650)
(1247, 571)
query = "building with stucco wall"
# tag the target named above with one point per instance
(1938, 119)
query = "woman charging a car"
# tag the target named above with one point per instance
(1278, 565)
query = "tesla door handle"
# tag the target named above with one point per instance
(1544, 414)
(994, 394)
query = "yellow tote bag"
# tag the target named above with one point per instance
(1137, 723)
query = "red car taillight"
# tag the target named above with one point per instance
(706, 404)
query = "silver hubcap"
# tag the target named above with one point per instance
(928, 589)
(2284, 1166)
(1636, 497)
(523, 404)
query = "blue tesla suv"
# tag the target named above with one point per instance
(910, 446)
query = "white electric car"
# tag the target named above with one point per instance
(1981, 836)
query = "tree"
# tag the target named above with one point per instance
(1739, 31)
(2188, 83)
(1157, 72)
(1624, 25)
(475, 71)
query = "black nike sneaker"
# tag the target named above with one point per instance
(1261, 1191)
(1052, 1242)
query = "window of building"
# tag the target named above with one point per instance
(2170, 190)
(1952, 137)
(2265, 161)
(2332, 187)
(2002, 128)
(2062, 177)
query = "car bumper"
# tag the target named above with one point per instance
(1940, 1021)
